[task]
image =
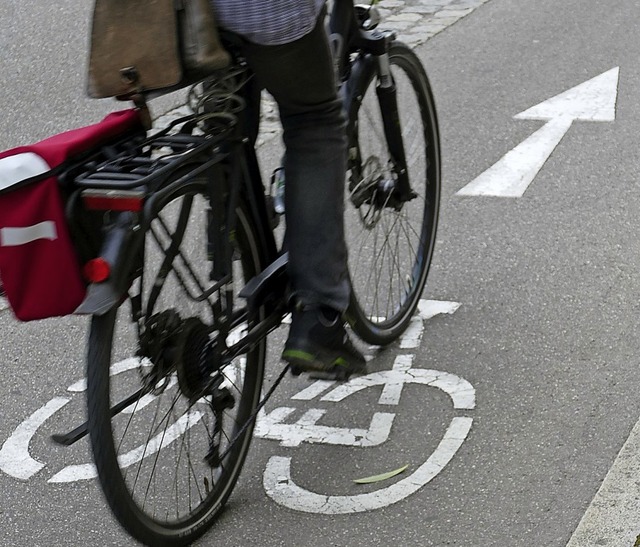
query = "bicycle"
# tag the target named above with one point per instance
(188, 280)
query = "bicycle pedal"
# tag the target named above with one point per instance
(336, 374)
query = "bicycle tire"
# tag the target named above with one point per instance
(390, 251)
(159, 486)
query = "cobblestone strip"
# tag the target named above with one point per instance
(419, 20)
(415, 20)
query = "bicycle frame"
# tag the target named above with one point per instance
(231, 175)
(347, 34)
(373, 45)
(230, 165)
(120, 246)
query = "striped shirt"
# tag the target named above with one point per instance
(268, 22)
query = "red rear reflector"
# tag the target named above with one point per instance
(113, 200)
(96, 270)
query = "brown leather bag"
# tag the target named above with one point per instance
(149, 45)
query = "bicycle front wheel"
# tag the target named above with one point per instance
(390, 245)
(170, 423)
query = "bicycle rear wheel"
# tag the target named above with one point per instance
(168, 461)
(390, 247)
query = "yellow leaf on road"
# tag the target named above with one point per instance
(381, 477)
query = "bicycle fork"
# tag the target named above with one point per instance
(388, 99)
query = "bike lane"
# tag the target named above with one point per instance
(47, 403)
(551, 271)
(547, 282)
(535, 338)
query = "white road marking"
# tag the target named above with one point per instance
(613, 517)
(426, 310)
(513, 174)
(593, 100)
(277, 479)
(306, 429)
(15, 459)
(392, 391)
(277, 475)
(117, 368)
(409, 340)
(281, 488)
(430, 308)
(85, 471)
(315, 389)
(462, 393)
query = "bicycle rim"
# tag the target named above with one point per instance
(390, 250)
(156, 460)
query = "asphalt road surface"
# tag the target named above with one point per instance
(513, 397)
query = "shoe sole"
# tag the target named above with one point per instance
(305, 362)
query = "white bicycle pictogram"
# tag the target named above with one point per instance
(16, 459)
(277, 479)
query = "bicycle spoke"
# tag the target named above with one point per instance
(389, 271)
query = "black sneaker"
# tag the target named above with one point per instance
(318, 343)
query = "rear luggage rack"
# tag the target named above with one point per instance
(148, 164)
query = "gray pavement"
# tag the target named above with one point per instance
(546, 330)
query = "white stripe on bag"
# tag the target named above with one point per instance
(14, 169)
(11, 237)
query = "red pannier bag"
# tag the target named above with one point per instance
(39, 266)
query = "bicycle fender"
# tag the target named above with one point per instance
(100, 298)
(117, 250)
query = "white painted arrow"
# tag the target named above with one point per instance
(593, 100)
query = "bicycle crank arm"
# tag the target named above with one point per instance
(73, 436)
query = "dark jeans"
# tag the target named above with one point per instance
(300, 77)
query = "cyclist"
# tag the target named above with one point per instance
(286, 46)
